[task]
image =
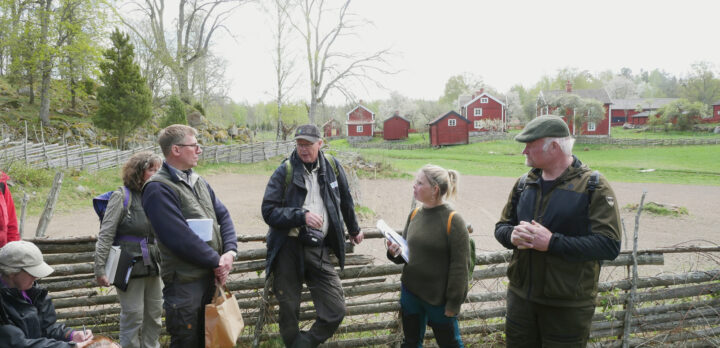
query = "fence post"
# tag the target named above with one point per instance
(82, 156)
(263, 311)
(97, 155)
(21, 225)
(627, 328)
(49, 205)
(67, 156)
(25, 145)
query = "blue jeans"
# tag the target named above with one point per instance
(417, 314)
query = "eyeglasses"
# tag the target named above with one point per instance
(305, 146)
(196, 146)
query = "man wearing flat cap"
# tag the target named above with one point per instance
(306, 203)
(27, 314)
(561, 220)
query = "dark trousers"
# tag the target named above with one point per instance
(325, 289)
(529, 324)
(184, 305)
(416, 314)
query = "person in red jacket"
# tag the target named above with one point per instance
(8, 219)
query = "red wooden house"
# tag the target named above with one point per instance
(485, 113)
(396, 127)
(332, 128)
(449, 129)
(636, 110)
(360, 122)
(715, 113)
(601, 128)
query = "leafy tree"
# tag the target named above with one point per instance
(579, 110)
(176, 112)
(683, 114)
(460, 84)
(701, 84)
(124, 100)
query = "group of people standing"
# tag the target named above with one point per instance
(561, 220)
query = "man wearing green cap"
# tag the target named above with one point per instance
(561, 220)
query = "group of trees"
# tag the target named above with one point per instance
(64, 44)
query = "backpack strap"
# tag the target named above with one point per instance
(452, 213)
(330, 158)
(592, 184)
(521, 184)
(412, 215)
(126, 192)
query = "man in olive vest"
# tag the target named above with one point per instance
(561, 220)
(192, 261)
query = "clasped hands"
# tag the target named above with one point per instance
(531, 235)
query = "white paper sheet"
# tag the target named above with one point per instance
(394, 237)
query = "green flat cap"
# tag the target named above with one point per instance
(543, 127)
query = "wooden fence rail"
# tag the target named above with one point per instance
(95, 158)
(668, 307)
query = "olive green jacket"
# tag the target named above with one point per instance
(586, 229)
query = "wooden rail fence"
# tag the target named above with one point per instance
(41, 155)
(666, 308)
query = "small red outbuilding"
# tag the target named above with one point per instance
(449, 129)
(396, 127)
(332, 128)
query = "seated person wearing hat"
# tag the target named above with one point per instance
(27, 314)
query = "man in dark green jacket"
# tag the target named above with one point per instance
(561, 220)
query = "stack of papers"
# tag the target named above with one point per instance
(111, 264)
(394, 237)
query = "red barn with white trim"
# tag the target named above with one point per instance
(485, 113)
(360, 122)
(449, 129)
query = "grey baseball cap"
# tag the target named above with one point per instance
(308, 132)
(543, 127)
(27, 256)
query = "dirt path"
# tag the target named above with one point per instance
(480, 202)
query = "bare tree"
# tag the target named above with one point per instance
(196, 23)
(329, 68)
(284, 63)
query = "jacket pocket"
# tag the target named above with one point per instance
(517, 269)
(570, 280)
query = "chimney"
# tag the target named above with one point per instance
(568, 86)
(397, 113)
(477, 93)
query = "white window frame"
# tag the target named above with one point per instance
(452, 122)
(477, 124)
(591, 126)
(484, 100)
(359, 129)
(477, 112)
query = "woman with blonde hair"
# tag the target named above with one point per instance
(126, 225)
(434, 281)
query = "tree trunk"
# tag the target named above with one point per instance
(45, 95)
(46, 66)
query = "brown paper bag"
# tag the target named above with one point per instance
(223, 320)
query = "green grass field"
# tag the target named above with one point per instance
(693, 165)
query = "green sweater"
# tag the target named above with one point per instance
(437, 271)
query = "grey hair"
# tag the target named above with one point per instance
(565, 143)
(8, 270)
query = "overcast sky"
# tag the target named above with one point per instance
(506, 42)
